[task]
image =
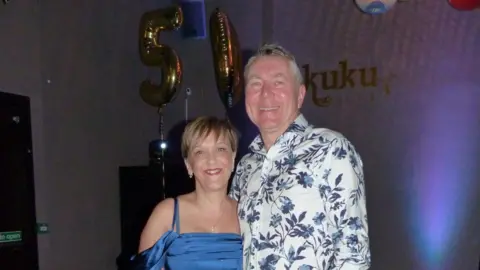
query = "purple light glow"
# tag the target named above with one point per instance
(445, 171)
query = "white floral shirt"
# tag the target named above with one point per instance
(302, 203)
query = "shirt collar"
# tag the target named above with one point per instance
(298, 127)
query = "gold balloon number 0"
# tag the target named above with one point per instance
(155, 54)
(227, 58)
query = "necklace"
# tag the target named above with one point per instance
(214, 226)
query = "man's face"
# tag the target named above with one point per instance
(273, 95)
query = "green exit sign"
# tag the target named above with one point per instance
(9, 237)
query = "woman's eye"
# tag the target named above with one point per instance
(198, 152)
(221, 149)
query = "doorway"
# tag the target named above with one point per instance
(18, 237)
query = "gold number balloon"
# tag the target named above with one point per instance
(227, 58)
(155, 54)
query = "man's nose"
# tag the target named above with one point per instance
(266, 90)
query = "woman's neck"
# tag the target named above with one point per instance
(210, 201)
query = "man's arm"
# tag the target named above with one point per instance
(346, 207)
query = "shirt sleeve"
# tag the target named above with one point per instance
(343, 189)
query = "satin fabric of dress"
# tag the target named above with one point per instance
(192, 251)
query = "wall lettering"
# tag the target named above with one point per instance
(338, 79)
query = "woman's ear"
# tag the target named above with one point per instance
(189, 168)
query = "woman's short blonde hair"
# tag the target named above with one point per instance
(202, 127)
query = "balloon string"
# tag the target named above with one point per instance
(231, 78)
(163, 177)
(230, 99)
(160, 123)
(186, 109)
(162, 147)
(230, 90)
(188, 92)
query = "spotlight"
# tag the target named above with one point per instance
(156, 149)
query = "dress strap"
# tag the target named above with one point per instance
(176, 218)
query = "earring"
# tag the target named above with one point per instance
(190, 175)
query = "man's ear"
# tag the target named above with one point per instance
(302, 90)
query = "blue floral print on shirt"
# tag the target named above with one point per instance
(302, 204)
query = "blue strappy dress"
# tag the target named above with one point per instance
(191, 251)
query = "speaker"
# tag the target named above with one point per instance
(141, 189)
(194, 22)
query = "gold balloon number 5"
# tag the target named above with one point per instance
(155, 54)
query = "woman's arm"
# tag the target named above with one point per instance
(159, 222)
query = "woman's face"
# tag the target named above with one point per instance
(211, 161)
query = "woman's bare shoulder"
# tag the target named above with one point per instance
(187, 202)
(164, 209)
(158, 223)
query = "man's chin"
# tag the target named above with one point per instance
(269, 128)
(268, 122)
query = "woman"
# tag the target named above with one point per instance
(199, 230)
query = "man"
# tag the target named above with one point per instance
(301, 191)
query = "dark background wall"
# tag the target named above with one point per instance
(78, 62)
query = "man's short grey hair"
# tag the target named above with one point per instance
(271, 49)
